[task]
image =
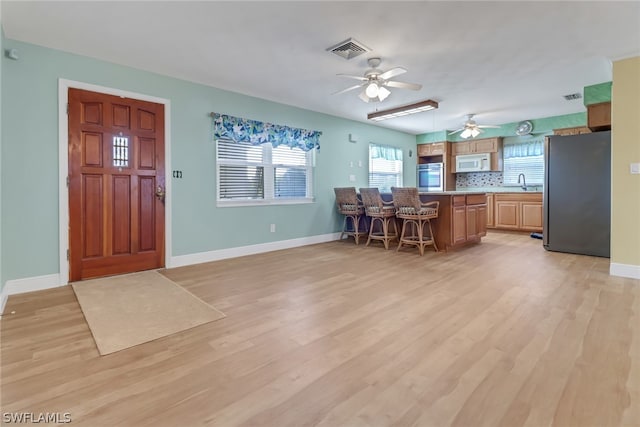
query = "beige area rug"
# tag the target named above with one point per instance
(124, 311)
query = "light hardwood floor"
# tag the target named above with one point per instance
(498, 334)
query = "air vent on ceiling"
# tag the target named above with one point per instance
(349, 48)
(572, 96)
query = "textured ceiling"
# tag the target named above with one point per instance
(504, 61)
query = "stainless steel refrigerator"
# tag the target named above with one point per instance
(577, 194)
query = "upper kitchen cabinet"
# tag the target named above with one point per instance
(578, 130)
(487, 145)
(492, 146)
(435, 149)
(599, 116)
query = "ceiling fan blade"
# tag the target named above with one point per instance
(489, 126)
(456, 131)
(363, 96)
(392, 73)
(347, 89)
(350, 76)
(403, 85)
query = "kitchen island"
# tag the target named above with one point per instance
(462, 217)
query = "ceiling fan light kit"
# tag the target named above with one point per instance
(404, 110)
(471, 128)
(375, 82)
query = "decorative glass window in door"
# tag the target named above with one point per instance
(120, 151)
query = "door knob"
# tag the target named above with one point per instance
(160, 193)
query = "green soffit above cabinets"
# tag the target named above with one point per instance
(595, 94)
(540, 126)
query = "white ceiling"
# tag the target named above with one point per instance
(504, 61)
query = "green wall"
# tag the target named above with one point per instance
(597, 93)
(593, 94)
(30, 160)
(540, 126)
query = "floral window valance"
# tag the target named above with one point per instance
(238, 129)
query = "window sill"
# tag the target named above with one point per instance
(272, 202)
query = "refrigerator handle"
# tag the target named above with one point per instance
(545, 194)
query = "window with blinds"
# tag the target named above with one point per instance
(385, 167)
(263, 174)
(524, 158)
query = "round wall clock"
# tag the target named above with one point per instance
(524, 128)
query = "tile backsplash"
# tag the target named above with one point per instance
(479, 179)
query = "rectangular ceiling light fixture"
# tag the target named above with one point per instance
(405, 110)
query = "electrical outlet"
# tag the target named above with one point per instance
(272, 228)
(634, 168)
(352, 178)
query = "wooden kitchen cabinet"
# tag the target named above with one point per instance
(461, 218)
(459, 228)
(490, 209)
(487, 145)
(493, 146)
(599, 116)
(518, 211)
(472, 222)
(578, 130)
(461, 148)
(439, 152)
(434, 149)
(507, 215)
(482, 219)
(531, 216)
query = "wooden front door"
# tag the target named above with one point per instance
(116, 185)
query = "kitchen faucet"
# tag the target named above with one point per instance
(524, 181)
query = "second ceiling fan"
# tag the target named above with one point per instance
(471, 128)
(375, 82)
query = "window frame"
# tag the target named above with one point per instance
(269, 177)
(539, 164)
(399, 174)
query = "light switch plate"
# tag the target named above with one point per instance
(634, 168)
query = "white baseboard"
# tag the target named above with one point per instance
(199, 258)
(624, 270)
(29, 284)
(3, 299)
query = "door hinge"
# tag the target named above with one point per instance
(67, 180)
(67, 108)
(67, 254)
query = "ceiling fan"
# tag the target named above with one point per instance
(375, 82)
(471, 128)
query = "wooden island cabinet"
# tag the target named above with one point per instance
(462, 218)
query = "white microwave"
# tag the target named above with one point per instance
(473, 162)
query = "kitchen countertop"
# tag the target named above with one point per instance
(531, 189)
(452, 193)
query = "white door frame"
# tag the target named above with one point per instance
(63, 164)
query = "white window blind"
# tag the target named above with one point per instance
(385, 167)
(524, 158)
(290, 173)
(262, 174)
